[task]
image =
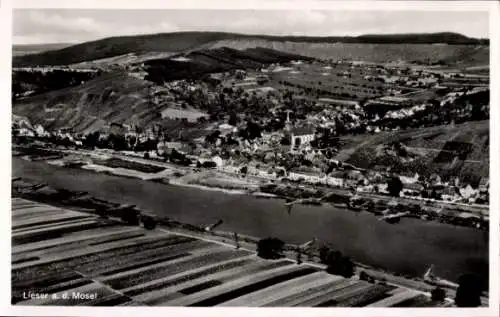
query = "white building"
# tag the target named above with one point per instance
(301, 136)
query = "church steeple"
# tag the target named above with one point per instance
(288, 123)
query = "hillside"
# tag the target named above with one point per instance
(119, 97)
(460, 150)
(26, 49)
(456, 55)
(89, 107)
(199, 63)
(186, 41)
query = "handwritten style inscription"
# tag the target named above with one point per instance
(65, 295)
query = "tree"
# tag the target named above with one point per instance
(438, 294)
(209, 164)
(233, 119)
(244, 170)
(339, 265)
(469, 291)
(285, 141)
(270, 248)
(394, 186)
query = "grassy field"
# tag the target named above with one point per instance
(335, 79)
(119, 163)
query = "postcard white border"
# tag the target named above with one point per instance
(5, 115)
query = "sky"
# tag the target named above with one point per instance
(37, 26)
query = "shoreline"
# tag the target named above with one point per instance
(228, 235)
(428, 213)
(379, 274)
(245, 241)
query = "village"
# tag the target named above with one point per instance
(277, 124)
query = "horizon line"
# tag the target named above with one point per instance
(257, 34)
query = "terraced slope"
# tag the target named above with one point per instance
(59, 251)
(109, 98)
(450, 150)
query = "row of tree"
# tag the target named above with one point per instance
(468, 293)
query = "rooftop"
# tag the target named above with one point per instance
(302, 130)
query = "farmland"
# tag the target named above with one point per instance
(332, 80)
(72, 252)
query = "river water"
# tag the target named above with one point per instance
(407, 247)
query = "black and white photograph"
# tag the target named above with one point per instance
(314, 158)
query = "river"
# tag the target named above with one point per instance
(407, 247)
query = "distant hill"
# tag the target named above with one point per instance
(27, 49)
(187, 41)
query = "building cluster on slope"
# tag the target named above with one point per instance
(272, 126)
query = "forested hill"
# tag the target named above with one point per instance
(188, 41)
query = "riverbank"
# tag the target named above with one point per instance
(86, 203)
(390, 209)
(453, 250)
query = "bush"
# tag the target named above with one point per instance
(438, 294)
(244, 170)
(270, 248)
(149, 222)
(209, 164)
(366, 277)
(394, 186)
(339, 265)
(323, 254)
(469, 291)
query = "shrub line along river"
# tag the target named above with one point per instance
(408, 247)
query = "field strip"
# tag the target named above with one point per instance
(341, 289)
(102, 259)
(124, 275)
(76, 240)
(16, 236)
(39, 209)
(28, 215)
(142, 275)
(141, 259)
(221, 274)
(346, 294)
(210, 294)
(327, 290)
(162, 283)
(307, 291)
(20, 208)
(397, 298)
(89, 251)
(276, 291)
(45, 221)
(199, 237)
